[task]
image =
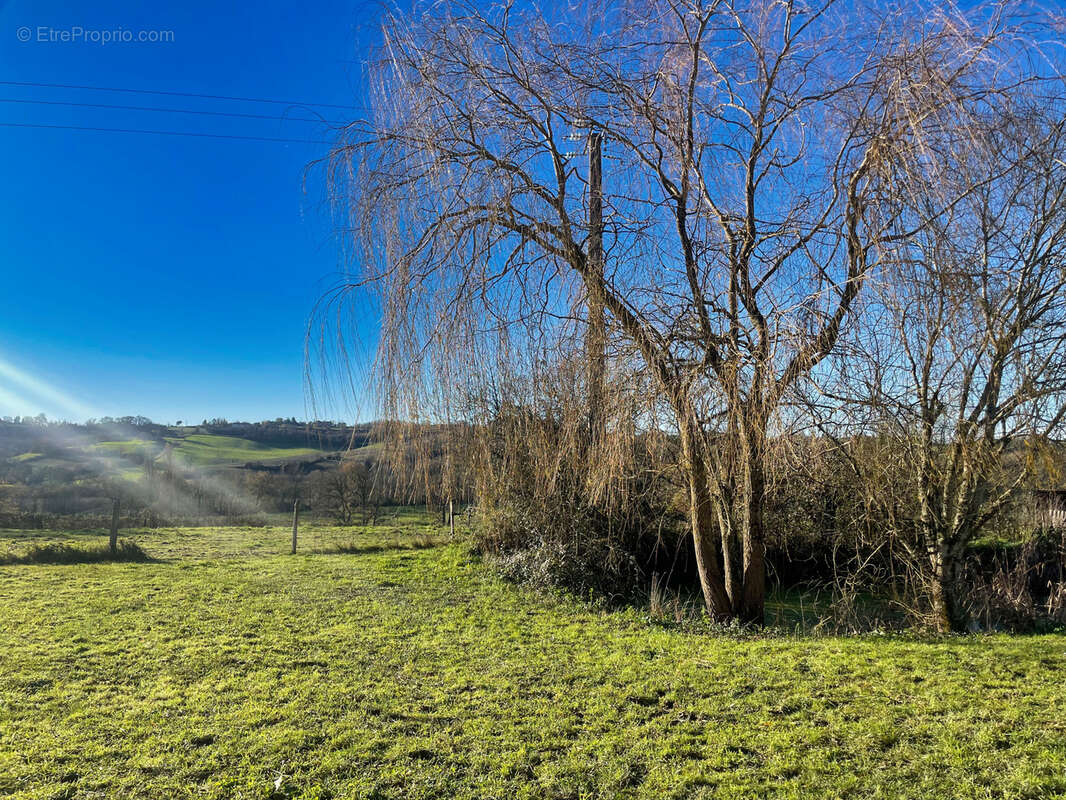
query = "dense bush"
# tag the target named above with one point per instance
(570, 547)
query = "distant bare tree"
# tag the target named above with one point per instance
(347, 490)
(364, 475)
(334, 491)
(756, 149)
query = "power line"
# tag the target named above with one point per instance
(173, 110)
(175, 94)
(163, 133)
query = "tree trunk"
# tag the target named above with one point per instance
(701, 517)
(732, 553)
(739, 509)
(752, 603)
(113, 540)
(949, 611)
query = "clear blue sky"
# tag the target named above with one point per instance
(161, 275)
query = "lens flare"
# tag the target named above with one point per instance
(13, 403)
(40, 390)
(21, 392)
(184, 498)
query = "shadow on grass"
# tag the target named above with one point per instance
(14, 534)
(348, 548)
(56, 553)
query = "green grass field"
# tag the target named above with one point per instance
(127, 447)
(210, 449)
(392, 664)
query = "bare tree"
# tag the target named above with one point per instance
(972, 375)
(335, 490)
(349, 489)
(756, 148)
(364, 475)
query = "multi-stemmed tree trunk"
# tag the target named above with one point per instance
(716, 595)
(946, 590)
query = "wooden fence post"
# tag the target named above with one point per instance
(451, 518)
(113, 538)
(295, 523)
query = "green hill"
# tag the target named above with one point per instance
(210, 449)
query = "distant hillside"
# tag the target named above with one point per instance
(212, 449)
(35, 451)
(71, 476)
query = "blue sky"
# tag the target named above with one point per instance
(162, 275)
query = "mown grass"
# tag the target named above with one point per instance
(227, 669)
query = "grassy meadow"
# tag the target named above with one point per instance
(390, 663)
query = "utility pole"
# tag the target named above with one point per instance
(596, 331)
(596, 335)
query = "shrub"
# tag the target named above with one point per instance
(60, 553)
